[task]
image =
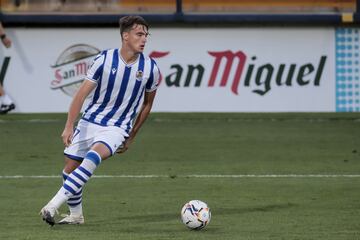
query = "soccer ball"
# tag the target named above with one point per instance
(195, 214)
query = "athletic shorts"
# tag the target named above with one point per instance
(87, 134)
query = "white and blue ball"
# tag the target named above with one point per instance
(195, 214)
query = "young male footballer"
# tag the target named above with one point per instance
(6, 103)
(123, 82)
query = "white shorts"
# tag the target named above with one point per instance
(87, 134)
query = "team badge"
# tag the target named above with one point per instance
(139, 75)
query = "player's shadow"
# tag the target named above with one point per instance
(163, 217)
(147, 223)
(244, 210)
(146, 220)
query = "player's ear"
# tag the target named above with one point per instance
(125, 36)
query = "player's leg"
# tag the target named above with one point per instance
(74, 183)
(74, 155)
(81, 174)
(75, 202)
(2, 91)
(104, 145)
(106, 141)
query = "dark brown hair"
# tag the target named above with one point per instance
(126, 23)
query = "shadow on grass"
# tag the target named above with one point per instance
(168, 223)
(264, 208)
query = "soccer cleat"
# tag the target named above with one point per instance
(72, 219)
(5, 108)
(48, 214)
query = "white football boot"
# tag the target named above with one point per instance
(72, 219)
(48, 214)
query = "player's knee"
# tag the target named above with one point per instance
(103, 149)
(94, 157)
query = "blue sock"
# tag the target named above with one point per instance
(75, 202)
(77, 179)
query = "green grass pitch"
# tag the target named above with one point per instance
(313, 191)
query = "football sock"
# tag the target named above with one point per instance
(77, 179)
(75, 202)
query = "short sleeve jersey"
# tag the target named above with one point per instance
(119, 89)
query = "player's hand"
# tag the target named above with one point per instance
(67, 135)
(125, 146)
(7, 42)
(121, 149)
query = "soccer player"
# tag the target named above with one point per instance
(118, 79)
(6, 103)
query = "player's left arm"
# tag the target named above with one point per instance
(142, 116)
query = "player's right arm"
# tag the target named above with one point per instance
(86, 87)
(92, 77)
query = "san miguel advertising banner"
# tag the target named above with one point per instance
(203, 69)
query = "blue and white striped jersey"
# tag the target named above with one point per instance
(120, 88)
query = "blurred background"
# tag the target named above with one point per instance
(215, 56)
(171, 6)
(257, 114)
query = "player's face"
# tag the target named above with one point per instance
(137, 38)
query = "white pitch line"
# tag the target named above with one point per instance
(198, 176)
(278, 176)
(30, 121)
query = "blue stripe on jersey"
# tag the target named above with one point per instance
(99, 55)
(134, 112)
(120, 97)
(151, 77)
(110, 86)
(98, 75)
(131, 101)
(133, 94)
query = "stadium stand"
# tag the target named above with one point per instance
(168, 6)
(107, 12)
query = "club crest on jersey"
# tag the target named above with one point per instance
(113, 70)
(139, 75)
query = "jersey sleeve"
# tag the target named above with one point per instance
(95, 71)
(154, 79)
